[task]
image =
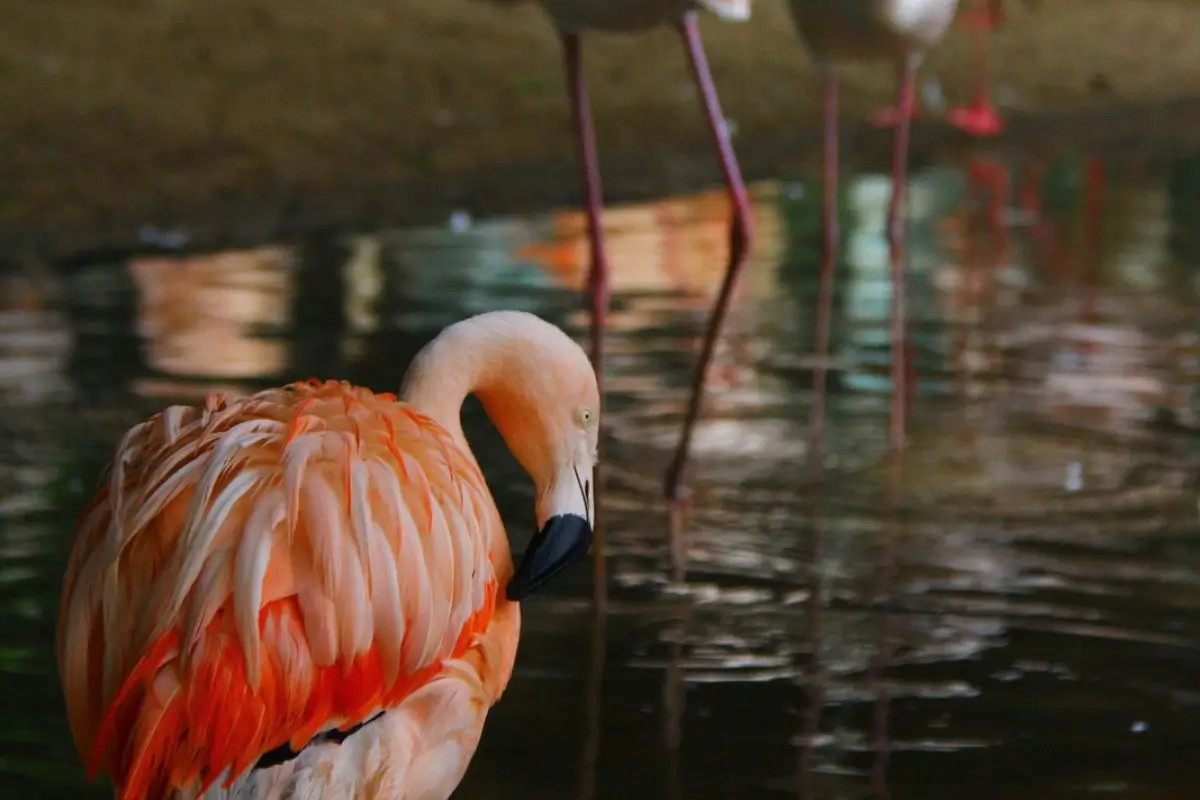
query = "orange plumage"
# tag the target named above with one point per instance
(260, 570)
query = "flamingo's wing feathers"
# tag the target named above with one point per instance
(254, 572)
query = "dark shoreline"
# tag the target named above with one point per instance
(1126, 134)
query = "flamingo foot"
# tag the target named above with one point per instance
(980, 119)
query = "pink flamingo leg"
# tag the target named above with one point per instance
(896, 236)
(740, 236)
(830, 241)
(980, 118)
(593, 199)
(1093, 228)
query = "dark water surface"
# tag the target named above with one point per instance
(1016, 616)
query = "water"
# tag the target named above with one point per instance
(1015, 615)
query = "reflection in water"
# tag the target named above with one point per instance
(34, 344)
(669, 256)
(1016, 617)
(211, 315)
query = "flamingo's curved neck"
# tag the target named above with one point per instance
(439, 380)
(498, 359)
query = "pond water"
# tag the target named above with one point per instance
(1014, 614)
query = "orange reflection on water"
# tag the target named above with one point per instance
(676, 244)
(35, 342)
(678, 247)
(204, 316)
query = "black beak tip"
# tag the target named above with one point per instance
(564, 540)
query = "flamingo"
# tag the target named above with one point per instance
(980, 118)
(308, 591)
(839, 30)
(570, 18)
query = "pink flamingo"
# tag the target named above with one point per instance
(308, 592)
(571, 17)
(901, 31)
(981, 117)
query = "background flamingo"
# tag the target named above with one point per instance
(298, 593)
(896, 30)
(980, 118)
(570, 18)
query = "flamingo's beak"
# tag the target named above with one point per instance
(564, 511)
(563, 540)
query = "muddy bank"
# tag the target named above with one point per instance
(246, 116)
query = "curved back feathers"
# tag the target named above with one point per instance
(257, 570)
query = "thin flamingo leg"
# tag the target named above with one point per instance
(597, 285)
(906, 95)
(1093, 222)
(981, 117)
(593, 198)
(830, 241)
(740, 236)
